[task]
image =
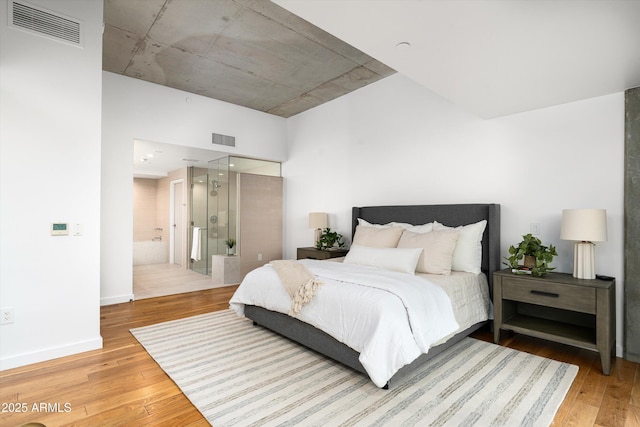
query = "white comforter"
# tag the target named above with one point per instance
(348, 306)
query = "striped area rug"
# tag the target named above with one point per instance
(238, 374)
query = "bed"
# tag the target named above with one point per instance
(450, 215)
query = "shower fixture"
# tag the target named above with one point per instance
(216, 185)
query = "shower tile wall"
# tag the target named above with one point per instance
(260, 220)
(144, 209)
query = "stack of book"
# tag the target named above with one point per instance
(521, 270)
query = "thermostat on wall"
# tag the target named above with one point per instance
(59, 229)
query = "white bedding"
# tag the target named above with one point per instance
(469, 294)
(417, 314)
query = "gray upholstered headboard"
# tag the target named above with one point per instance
(451, 215)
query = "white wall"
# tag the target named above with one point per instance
(394, 142)
(134, 109)
(50, 101)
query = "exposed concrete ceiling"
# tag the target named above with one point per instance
(247, 52)
(490, 57)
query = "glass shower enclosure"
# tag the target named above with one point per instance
(214, 206)
(213, 212)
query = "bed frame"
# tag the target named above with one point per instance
(451, 215)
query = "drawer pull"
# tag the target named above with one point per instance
(545, 294)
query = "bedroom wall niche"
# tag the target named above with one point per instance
(227, 200)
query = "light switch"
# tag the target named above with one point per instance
(535, 228)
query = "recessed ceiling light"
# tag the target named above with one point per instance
(403, 45)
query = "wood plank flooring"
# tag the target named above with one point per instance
(121, 385)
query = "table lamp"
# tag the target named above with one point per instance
(585, 226)
(318, 221)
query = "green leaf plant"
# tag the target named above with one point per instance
(532, 246)
(328, 239)
(230, 243)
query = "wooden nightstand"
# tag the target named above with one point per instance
(314, 253)
(557, 307)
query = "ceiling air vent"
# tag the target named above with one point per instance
(37, 20)
(219, 139)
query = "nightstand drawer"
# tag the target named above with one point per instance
(567, 297)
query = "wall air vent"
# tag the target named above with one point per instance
(42, 22)
(229, 141)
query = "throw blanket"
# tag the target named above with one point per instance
(298, 281)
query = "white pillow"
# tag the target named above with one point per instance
(424, 228)
(438, 247)
(402, 260)
(468, 253)
(366, 223)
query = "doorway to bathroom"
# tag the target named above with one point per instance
(161, 218)
(227, 197)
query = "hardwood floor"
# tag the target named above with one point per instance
(594, 399)
(122, 385)
(118, 385)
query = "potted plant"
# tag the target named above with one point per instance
(328, 239)
(230, 242)
(535, 256)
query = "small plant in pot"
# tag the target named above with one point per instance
(328, 239)
(535, 256)
(230, 242)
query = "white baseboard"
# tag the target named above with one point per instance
(619, 350)
(49, 353)
(117, 300)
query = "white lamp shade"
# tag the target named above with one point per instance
(589, 225)
(318, 220)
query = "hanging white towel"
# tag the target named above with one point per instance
(195, 247)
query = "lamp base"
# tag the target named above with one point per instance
(584, 260)
(317, 235)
